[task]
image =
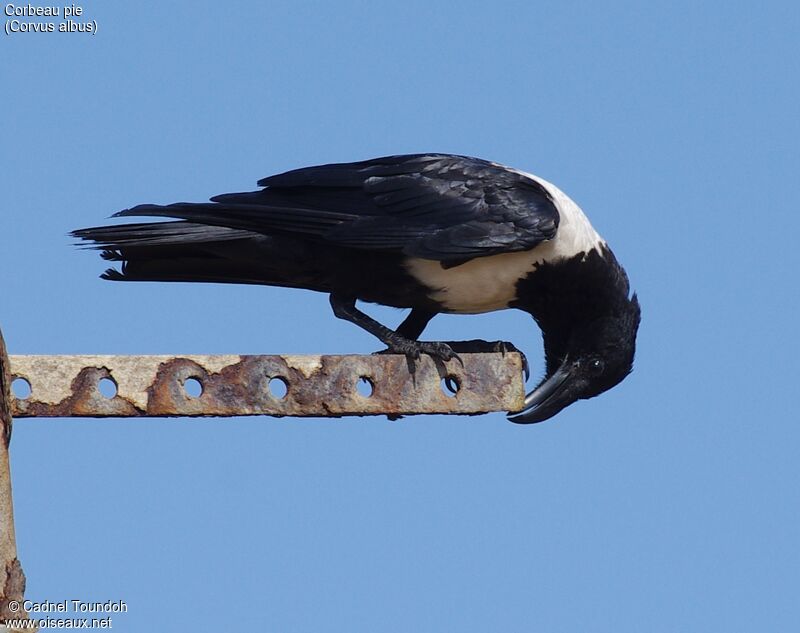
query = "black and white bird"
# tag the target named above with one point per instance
(431, 232)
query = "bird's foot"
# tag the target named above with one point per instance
(479, 346)
(413, 349)
(505, 347)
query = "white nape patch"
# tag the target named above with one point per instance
(575, 233)
(489, 283)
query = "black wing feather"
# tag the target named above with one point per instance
(436, 206)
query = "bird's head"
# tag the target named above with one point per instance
(594, 357)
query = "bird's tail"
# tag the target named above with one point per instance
(189, 251)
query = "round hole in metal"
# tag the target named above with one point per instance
(107, 387)
(193, 387)
(278, 387)
(450, 386)
(365, 386)
(21, 388)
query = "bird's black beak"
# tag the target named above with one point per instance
(548, 398)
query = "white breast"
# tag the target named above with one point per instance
(489, 283)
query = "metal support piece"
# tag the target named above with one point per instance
(324, 386)
(12, 578)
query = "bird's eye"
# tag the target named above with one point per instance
(596, 366)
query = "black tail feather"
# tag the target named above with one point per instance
(261, 218)
(112, 274)
(189, 251)
(156, 234)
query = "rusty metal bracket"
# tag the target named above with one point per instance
(12, 578)
(327, 386)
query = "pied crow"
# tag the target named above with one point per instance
(430, 232)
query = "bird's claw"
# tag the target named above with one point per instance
(438, 351)
(504, 347)
(479, 346)
(446, 353)
(413, 349)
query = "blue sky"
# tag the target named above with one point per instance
(667, 504)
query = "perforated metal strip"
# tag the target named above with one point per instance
(153, 386)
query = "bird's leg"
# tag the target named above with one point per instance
(345, 308)
(414, 323)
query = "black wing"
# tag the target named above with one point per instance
(436, 206)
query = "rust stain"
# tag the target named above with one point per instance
(326, 386)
